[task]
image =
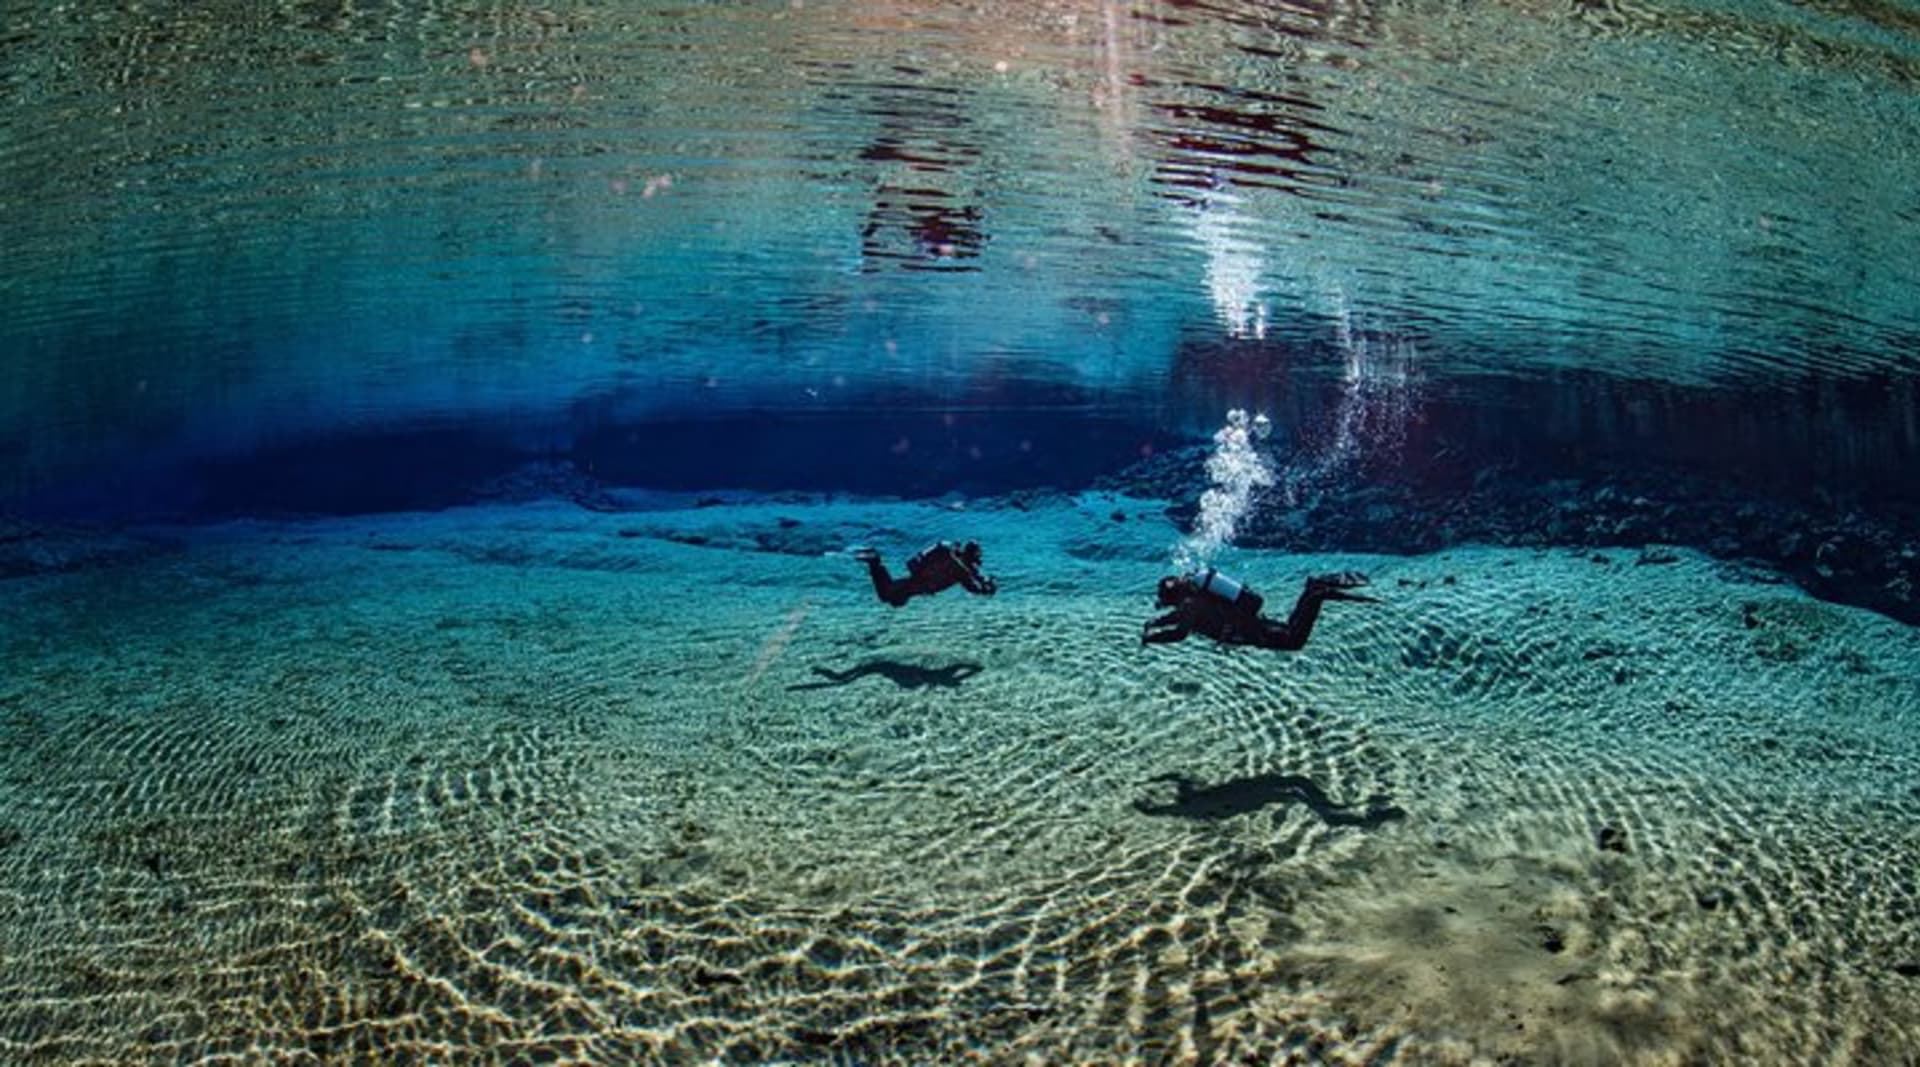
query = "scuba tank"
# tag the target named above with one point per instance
(927, 555)
(1212, 582)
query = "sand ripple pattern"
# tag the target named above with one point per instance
(307, 802)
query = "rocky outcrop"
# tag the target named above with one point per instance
(1840, 550)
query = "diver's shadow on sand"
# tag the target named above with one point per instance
(1238, 796)
(904, 675)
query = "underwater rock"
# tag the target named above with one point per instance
(547, 481)
(1021, 499)
(1713, 898)
(783, 537)
(1841, 552)
(1551, 939)
(1612, 839)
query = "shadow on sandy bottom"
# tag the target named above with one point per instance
(904, 675)
(1239, 796)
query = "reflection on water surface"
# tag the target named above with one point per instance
(394, 211)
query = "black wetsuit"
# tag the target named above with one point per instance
(1239, 622)
(936, 568)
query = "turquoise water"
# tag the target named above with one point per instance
(669, 785)
(433, 438)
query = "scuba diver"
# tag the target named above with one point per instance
(1210, 603)
(937, 567)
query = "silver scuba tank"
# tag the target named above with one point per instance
(1211, 581)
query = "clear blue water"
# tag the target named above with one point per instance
(230, 229)
(518, 315)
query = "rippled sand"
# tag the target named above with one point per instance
(518, 783)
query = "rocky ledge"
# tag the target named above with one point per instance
(1843, 551)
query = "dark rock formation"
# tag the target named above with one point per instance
(1839, 550)
(547, 481)
(1612, 839)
